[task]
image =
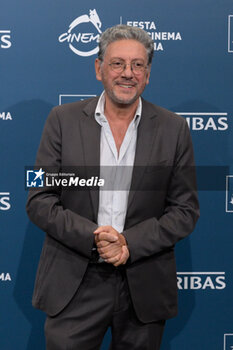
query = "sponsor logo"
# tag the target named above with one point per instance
(35, 178)
(228, 341)
(4, 277)
(5, 116)
(201, 280)
(5, 39)
(152, 28)
(206, 121)
(83, 34)
(230, 33)
(229, 194)
(67, 98)
(5, 201)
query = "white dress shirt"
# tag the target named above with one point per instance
(116, 169)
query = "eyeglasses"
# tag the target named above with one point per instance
(137, 67)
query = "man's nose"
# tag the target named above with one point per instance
(128, 72)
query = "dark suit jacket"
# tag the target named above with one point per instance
(162, 208)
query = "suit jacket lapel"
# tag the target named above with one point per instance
(145, 140)
(90, 133)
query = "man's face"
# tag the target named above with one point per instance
(123, 87)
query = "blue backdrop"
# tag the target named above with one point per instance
(47, 52)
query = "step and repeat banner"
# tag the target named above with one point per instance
(47, 53)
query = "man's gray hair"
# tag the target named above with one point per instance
(122, 32)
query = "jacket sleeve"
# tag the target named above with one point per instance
(44, 205)
(181, 212)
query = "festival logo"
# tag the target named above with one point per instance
(152, 27)
(83, 34)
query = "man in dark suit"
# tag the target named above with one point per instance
(108, 256)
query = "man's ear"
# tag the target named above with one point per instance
(98, 69)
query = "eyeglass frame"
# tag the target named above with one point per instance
(131, 64)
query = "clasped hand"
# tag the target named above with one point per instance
(111, 245)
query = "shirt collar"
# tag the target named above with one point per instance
(99, 111)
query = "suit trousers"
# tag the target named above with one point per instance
(101, 301)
